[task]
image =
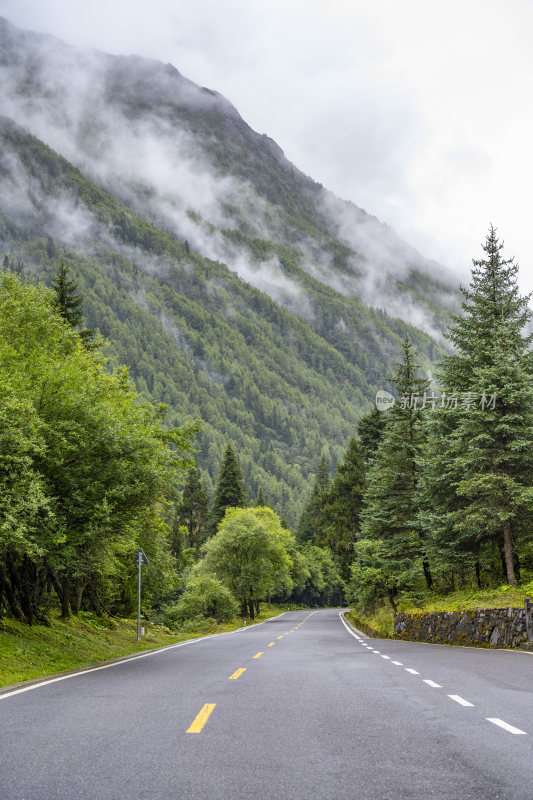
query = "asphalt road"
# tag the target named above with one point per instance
(297, 707)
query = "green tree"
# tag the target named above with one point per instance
(260, 502)
(370, 429)
(391, 511)
(192, 510)
(96, 465)
(249, 554)
(69, 302)
(311, 525)
(229, 489)
(489, 446)
(342, 507)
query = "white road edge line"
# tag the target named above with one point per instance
(134, 658)
(505, 725)
(355, 636)
(460, 700)
(433, 684)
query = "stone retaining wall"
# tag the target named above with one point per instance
(491, 627)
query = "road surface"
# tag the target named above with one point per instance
(297, 707)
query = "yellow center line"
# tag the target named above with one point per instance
(279, 637)
(237, 674)
(272, 644)
(259, 654)
(200, 720)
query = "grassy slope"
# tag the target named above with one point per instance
(33, 652)
(382, 619)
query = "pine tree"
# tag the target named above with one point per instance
(311, 525)
(68, 302)
(229, 490)
(260, 502)
(192, 511)
(370, 430)
(391, 513)
(343, 505)
(490, 445)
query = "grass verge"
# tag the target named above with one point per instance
(33, 652)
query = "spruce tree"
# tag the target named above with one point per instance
(391, 513)
(192, 511)
(311, 525)
(370, 429)
(490, 444)
(260, 502)
(343, 505)
(68, 302)
(229, 490)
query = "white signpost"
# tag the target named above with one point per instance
(140, 559)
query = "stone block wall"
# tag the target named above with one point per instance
(491, 627)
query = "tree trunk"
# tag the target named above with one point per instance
(478, 574)
(427, 574)
(65, 599)
(390, 595)
(508, 553)
(257, 608)
(79, 594)
(251, 609)
(10, 596)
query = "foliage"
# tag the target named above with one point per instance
(342, 507)
(249, 554)
(90, 464)
(229, 490)
(485, 450)
(206, 597)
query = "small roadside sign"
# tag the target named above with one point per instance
(140, 557)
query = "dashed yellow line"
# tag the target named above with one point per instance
(259, 654)
(279, 637)
(199, 721)
(271, 644)
(237, 674)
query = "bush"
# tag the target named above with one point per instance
(204, 597)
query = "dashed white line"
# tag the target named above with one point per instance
(460, 700)
(376, 651)
(387, 657)
(398, 663)
(505, 725)
(433, 684)
(412, 671)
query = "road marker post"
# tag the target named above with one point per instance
(140, 559)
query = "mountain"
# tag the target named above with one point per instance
(234, 287)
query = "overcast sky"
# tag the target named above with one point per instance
(419, 111)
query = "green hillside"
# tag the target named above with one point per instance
(236, 289)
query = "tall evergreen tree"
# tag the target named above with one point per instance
(192, 511)
(343, 505)
(490, 445)
(69, 302)
(370, 429)
(391, 513)
(260, 502)
(229, 490)
(311, 525)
